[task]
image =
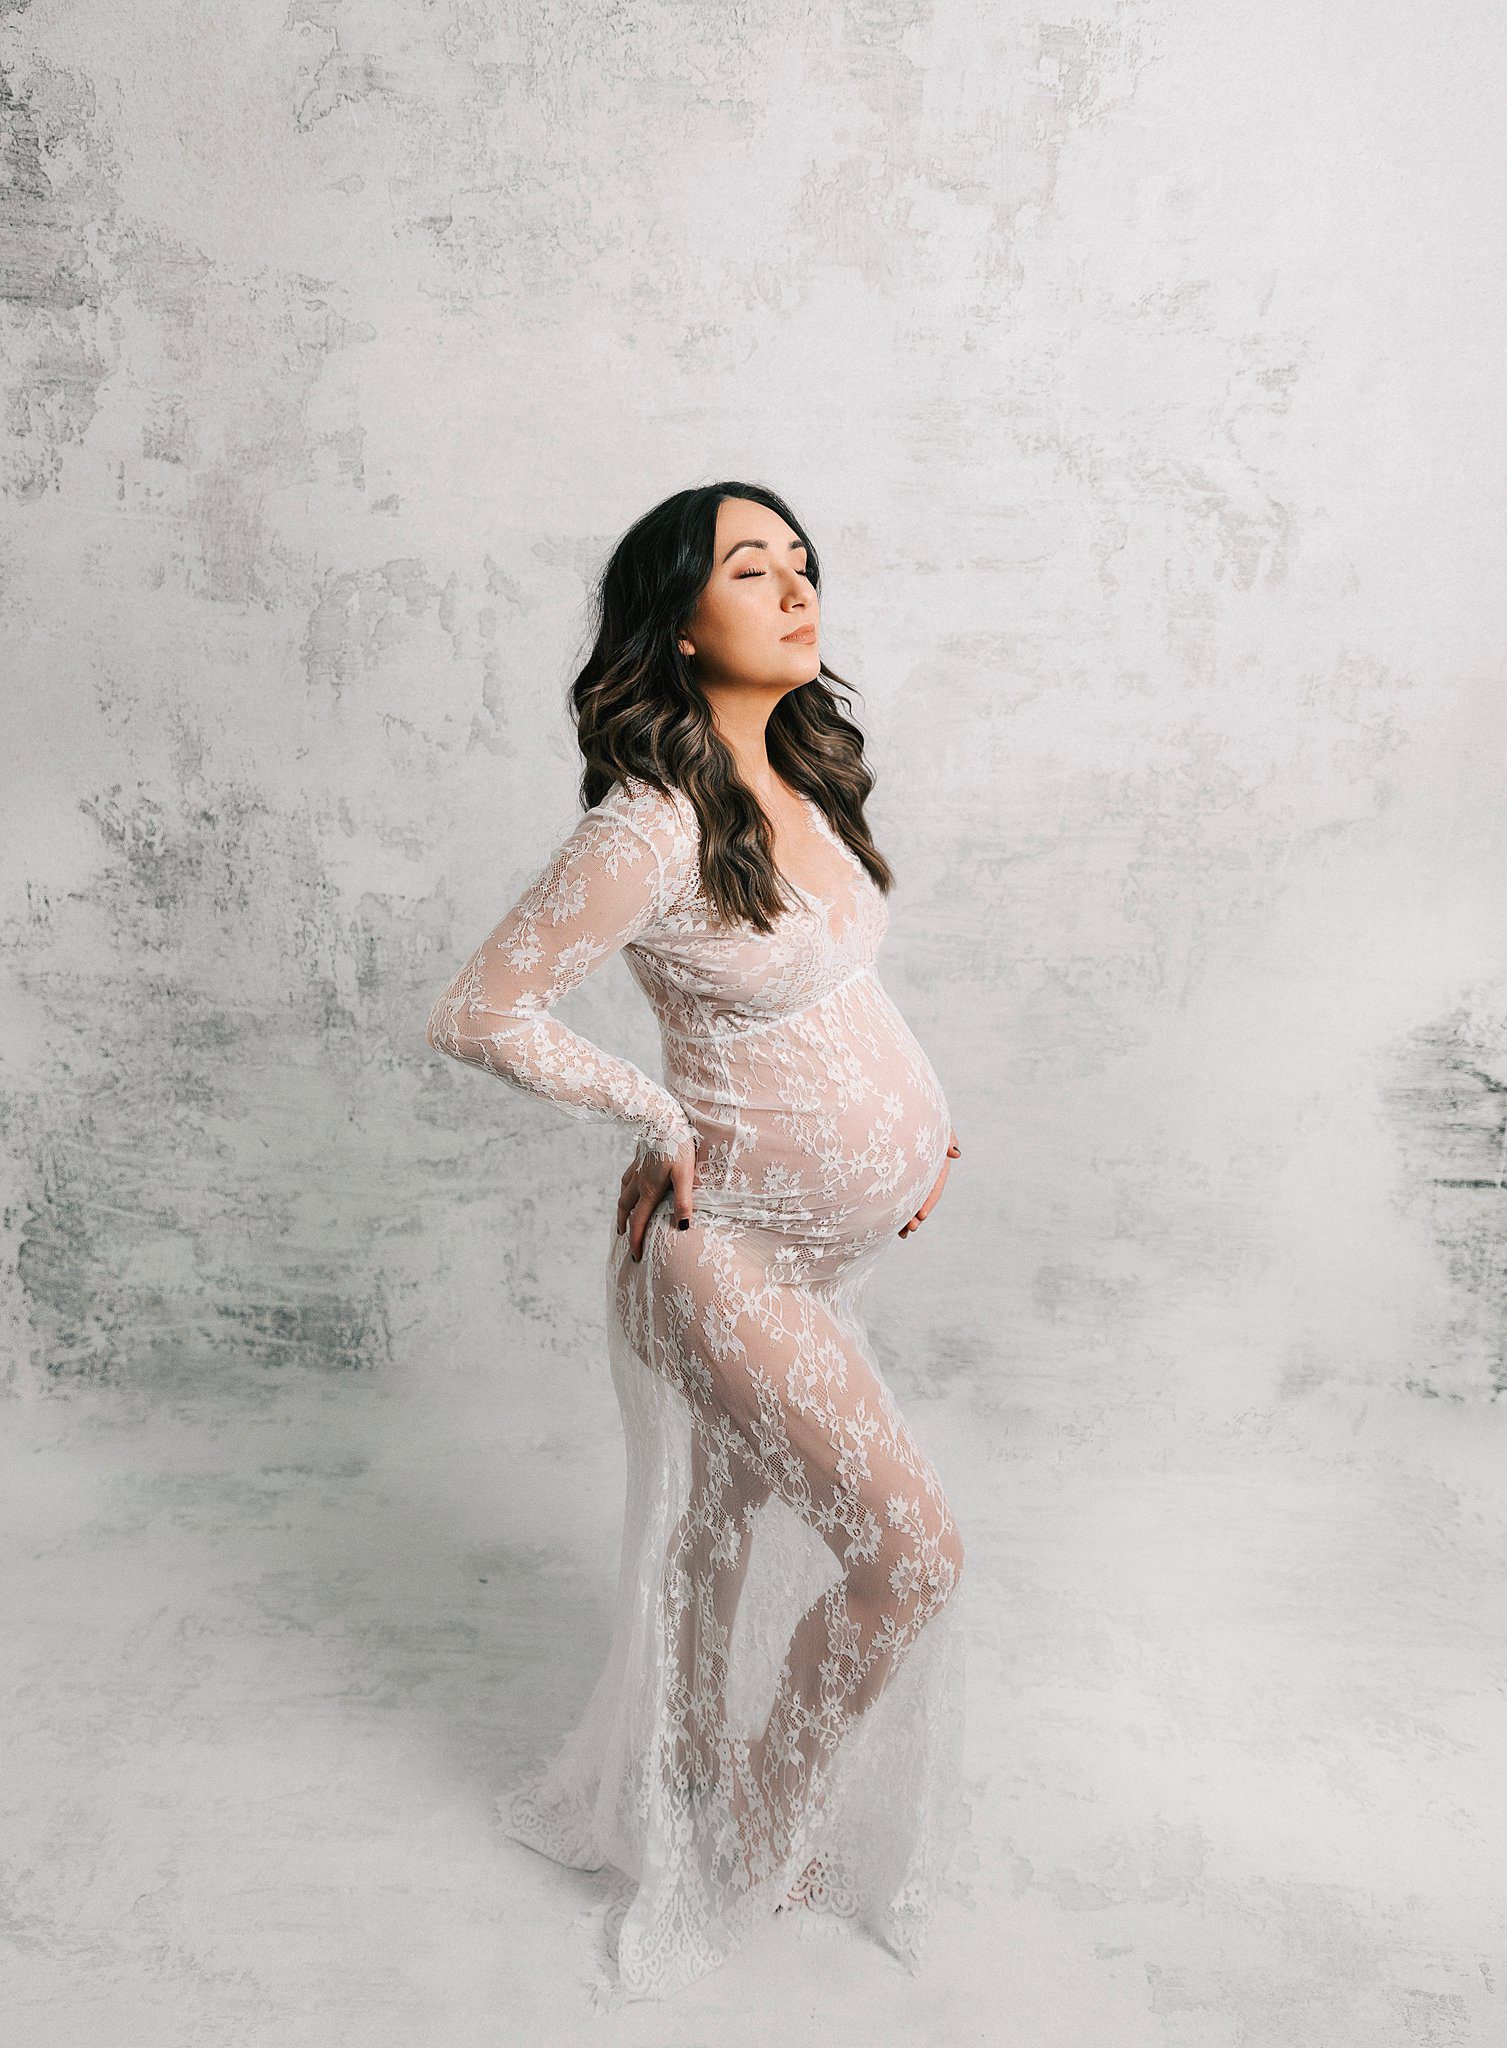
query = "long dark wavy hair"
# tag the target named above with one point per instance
(638, 710)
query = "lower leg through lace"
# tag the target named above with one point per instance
(760, 1848)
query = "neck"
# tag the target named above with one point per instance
(741, 717)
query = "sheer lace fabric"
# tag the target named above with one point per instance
(778, 1723)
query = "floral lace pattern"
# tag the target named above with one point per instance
(778, 1723)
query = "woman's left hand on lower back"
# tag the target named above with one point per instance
(954, 1151)
(645, 1183)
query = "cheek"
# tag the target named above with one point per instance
(731, 615)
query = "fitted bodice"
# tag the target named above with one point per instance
(701, 976)
(783, 1054)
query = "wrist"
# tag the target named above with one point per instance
(664, 1137)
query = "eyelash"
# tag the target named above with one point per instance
(760, 572)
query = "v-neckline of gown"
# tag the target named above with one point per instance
(824, 831)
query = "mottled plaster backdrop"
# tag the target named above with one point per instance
(1137, 369)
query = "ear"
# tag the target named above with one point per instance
(685, 647)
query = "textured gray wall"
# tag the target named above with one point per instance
(1137, 369)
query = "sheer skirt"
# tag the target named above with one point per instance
(778, 1724)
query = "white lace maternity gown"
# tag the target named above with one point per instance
(778, 1723)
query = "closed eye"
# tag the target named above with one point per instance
(738, 578)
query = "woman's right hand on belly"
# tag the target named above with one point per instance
(644, 1186)
(954, 1151)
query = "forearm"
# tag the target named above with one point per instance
(538, 1054)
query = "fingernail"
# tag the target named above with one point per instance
(684, 1223)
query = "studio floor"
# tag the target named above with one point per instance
(1234, 1721)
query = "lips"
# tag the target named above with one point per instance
(800, 633)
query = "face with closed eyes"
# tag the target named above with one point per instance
(756, 597)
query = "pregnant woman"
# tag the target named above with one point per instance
(777, 1726)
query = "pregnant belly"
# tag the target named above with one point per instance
(828, 1126)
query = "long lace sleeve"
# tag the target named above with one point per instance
(609, 882)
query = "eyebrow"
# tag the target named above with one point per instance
(755, 544)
